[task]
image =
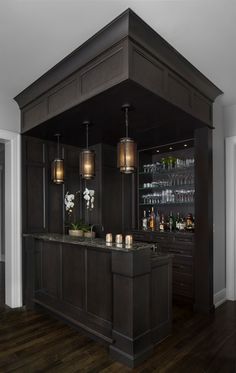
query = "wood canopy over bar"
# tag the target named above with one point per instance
(127, 61)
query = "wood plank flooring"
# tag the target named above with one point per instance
(32, 341)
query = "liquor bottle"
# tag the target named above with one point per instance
(144, 221)
(157, 221)
(171, 222)
(148, 219)
(152, 221)
(177, 223)
(162, 224)
(182, 224)
(189, 222)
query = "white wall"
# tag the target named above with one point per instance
(230, 120)
(9, 114)
(218, 203)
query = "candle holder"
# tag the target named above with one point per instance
(109, 238)
(119, 245)
(119, 238)
(128, 240)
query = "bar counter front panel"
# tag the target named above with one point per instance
(120, 296)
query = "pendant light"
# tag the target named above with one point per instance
(126, 148)
(58, 165)
(87, 159)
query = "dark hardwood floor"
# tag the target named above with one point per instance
(32, 341)
(2, 283)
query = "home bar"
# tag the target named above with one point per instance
(126, 85)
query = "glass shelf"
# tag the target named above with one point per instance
(170, 187)
(188, 169)
(166, 203)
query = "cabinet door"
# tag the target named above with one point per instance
(51, 269)
(33, 186)
(182, 268)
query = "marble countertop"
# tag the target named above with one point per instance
(89, 242)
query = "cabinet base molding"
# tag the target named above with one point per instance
(131, 361)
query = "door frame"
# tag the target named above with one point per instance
(230, 164)
(13, 247)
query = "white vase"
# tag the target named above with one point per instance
(76, 232)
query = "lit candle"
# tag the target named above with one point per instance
(109, 238)
(128, 239)
(119, 238)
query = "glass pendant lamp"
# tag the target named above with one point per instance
(58, 165)
(87, 159)
(126, 148)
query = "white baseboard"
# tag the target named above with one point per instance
(220, 298)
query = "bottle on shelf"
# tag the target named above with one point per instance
(157, 221)
(189, 223)
(162, 223)
(171, 222)
(177, 222)
(148, 219)
(182, 224)
(152, 221)
(144, 221)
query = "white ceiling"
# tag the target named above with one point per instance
(36, 34)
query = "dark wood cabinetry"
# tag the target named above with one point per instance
(120, 297)
(181, 246)
(42, 200)
(35, 178)
(125, 62)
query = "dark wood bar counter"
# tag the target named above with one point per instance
(118, 295)
(155, 184)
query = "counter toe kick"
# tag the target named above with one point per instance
(120, 296)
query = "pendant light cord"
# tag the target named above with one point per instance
(87, 136)
(58, 146)
(126, 121)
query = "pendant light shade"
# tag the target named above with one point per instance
(87, 159)
(126, 154)
(57, 172)
(126, 149)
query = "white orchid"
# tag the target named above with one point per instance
(69, 202)
(89, 198)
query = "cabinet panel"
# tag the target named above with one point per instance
(42, 202)
(99, 284)
(154, 76)
(202, 107)
(161, 275)
(35, 189)
(34, 114)
(183, 289)
(35, 151)
(183, 264)
(102, 71)
(179, 92)
(50, 268)
(73, 275)
(63, 97)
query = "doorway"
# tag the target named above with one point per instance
(12, 218)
